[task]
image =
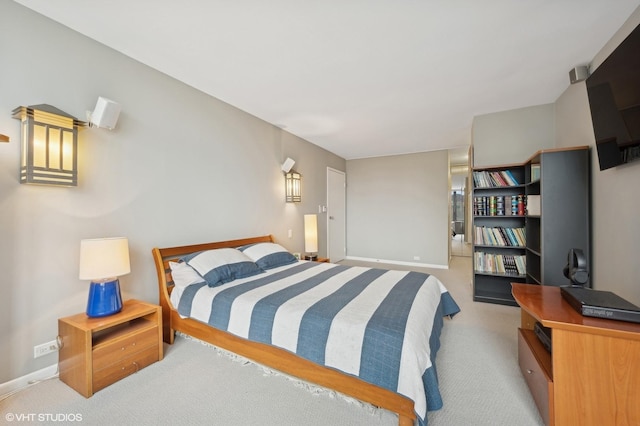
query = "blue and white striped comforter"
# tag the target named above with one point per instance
(382, 326)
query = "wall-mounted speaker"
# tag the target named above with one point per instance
(287, 165)
(578, 74)
(105, 114)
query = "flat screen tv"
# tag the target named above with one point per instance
(614, 99)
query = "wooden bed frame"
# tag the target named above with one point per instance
(270, 356)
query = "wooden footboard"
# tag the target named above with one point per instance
(270, 356)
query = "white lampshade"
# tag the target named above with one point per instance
(311, 233)
(102, 258)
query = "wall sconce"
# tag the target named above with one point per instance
(311, 236)
(49, 151)
(292, 181)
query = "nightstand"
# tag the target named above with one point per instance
(322, 260)
(97, 352)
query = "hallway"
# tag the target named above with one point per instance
(459, 247)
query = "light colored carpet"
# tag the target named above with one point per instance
(196, 385)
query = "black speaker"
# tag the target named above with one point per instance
(576, 270)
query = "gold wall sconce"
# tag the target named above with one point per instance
(292, 180)
(49, 145)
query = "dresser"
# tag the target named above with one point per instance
(592, 374)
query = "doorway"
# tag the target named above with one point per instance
(336, 215)
(459, 247)
(459, 203)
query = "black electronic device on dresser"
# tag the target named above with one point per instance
(600, 304)
(543, 334)
(589, 302)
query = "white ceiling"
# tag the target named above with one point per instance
(360, 78)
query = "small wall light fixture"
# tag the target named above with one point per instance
(292, 180)
(103, 260)
(49, 145)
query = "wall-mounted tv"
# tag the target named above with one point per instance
(614, 98)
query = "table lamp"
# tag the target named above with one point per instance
(103, 260)
(311, 236)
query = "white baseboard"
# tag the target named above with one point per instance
(397, 262)
(24, 381)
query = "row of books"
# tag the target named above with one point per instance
(500, 205)
(487, 179)
(500, 263)
(500, 236)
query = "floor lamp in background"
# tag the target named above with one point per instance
(311, 236)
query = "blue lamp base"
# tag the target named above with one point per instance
(104, 299)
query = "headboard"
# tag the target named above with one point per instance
(162, 257)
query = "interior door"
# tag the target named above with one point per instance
(336, 215)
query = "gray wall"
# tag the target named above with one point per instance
(615, 201)
(398, 208)
(512, 136)
(181, 167)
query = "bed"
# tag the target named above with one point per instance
(368, 333)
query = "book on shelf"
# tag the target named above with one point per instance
(535, 172)
(512, 179)
(514, 205)
(500, 263)
(492, 179)
(500, 236)
(533, 205)
(499, 205)
(522, 204)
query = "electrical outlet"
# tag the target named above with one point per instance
(45, 348)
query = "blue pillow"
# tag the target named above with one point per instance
(268, 255)
(220, 266)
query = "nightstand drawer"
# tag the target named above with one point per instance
(113, 351)
(124, 367)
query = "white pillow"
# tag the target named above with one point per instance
(184, 275)
(268, 255)
(223, 265)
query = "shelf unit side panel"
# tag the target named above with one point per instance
(565, 224)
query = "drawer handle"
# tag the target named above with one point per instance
(530, 371)
(135, 364)
(124, 347)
